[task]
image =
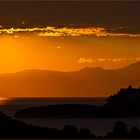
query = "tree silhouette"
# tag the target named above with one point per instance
(134, 133)
(120, 129)
(70, 131)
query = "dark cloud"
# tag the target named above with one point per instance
(111, 15)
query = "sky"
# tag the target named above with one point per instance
(67, 36)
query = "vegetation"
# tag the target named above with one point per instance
(126, 103)
(11, 128)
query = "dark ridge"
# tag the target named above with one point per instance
(125, 103)
(14, 129)
(59, 111)
(92, 69)
(88, 82)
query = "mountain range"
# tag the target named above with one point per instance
(87, 82)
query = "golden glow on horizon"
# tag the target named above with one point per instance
(16, 54)
(19, 52)
(3, 100)
(65, 31)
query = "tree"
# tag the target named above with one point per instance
(120, 130)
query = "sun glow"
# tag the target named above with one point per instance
(10, 53)
(3, 101)
(25, 51)
(14, 54)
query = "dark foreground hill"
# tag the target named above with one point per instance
(14, 129)
(125, 103)
(88, 82)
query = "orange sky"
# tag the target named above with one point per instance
(67, 53)
(67, 36)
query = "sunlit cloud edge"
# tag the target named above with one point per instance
(51, 31)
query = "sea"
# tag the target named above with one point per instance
(98, 126)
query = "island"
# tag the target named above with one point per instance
(124, 103)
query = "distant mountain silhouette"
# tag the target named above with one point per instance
(86, 82)
(125, 103)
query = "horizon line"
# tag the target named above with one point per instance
(86, 67)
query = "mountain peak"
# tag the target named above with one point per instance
(92, 69)
(133, 66)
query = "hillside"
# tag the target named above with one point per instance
(88, 82)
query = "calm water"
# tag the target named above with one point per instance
(98, 126)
